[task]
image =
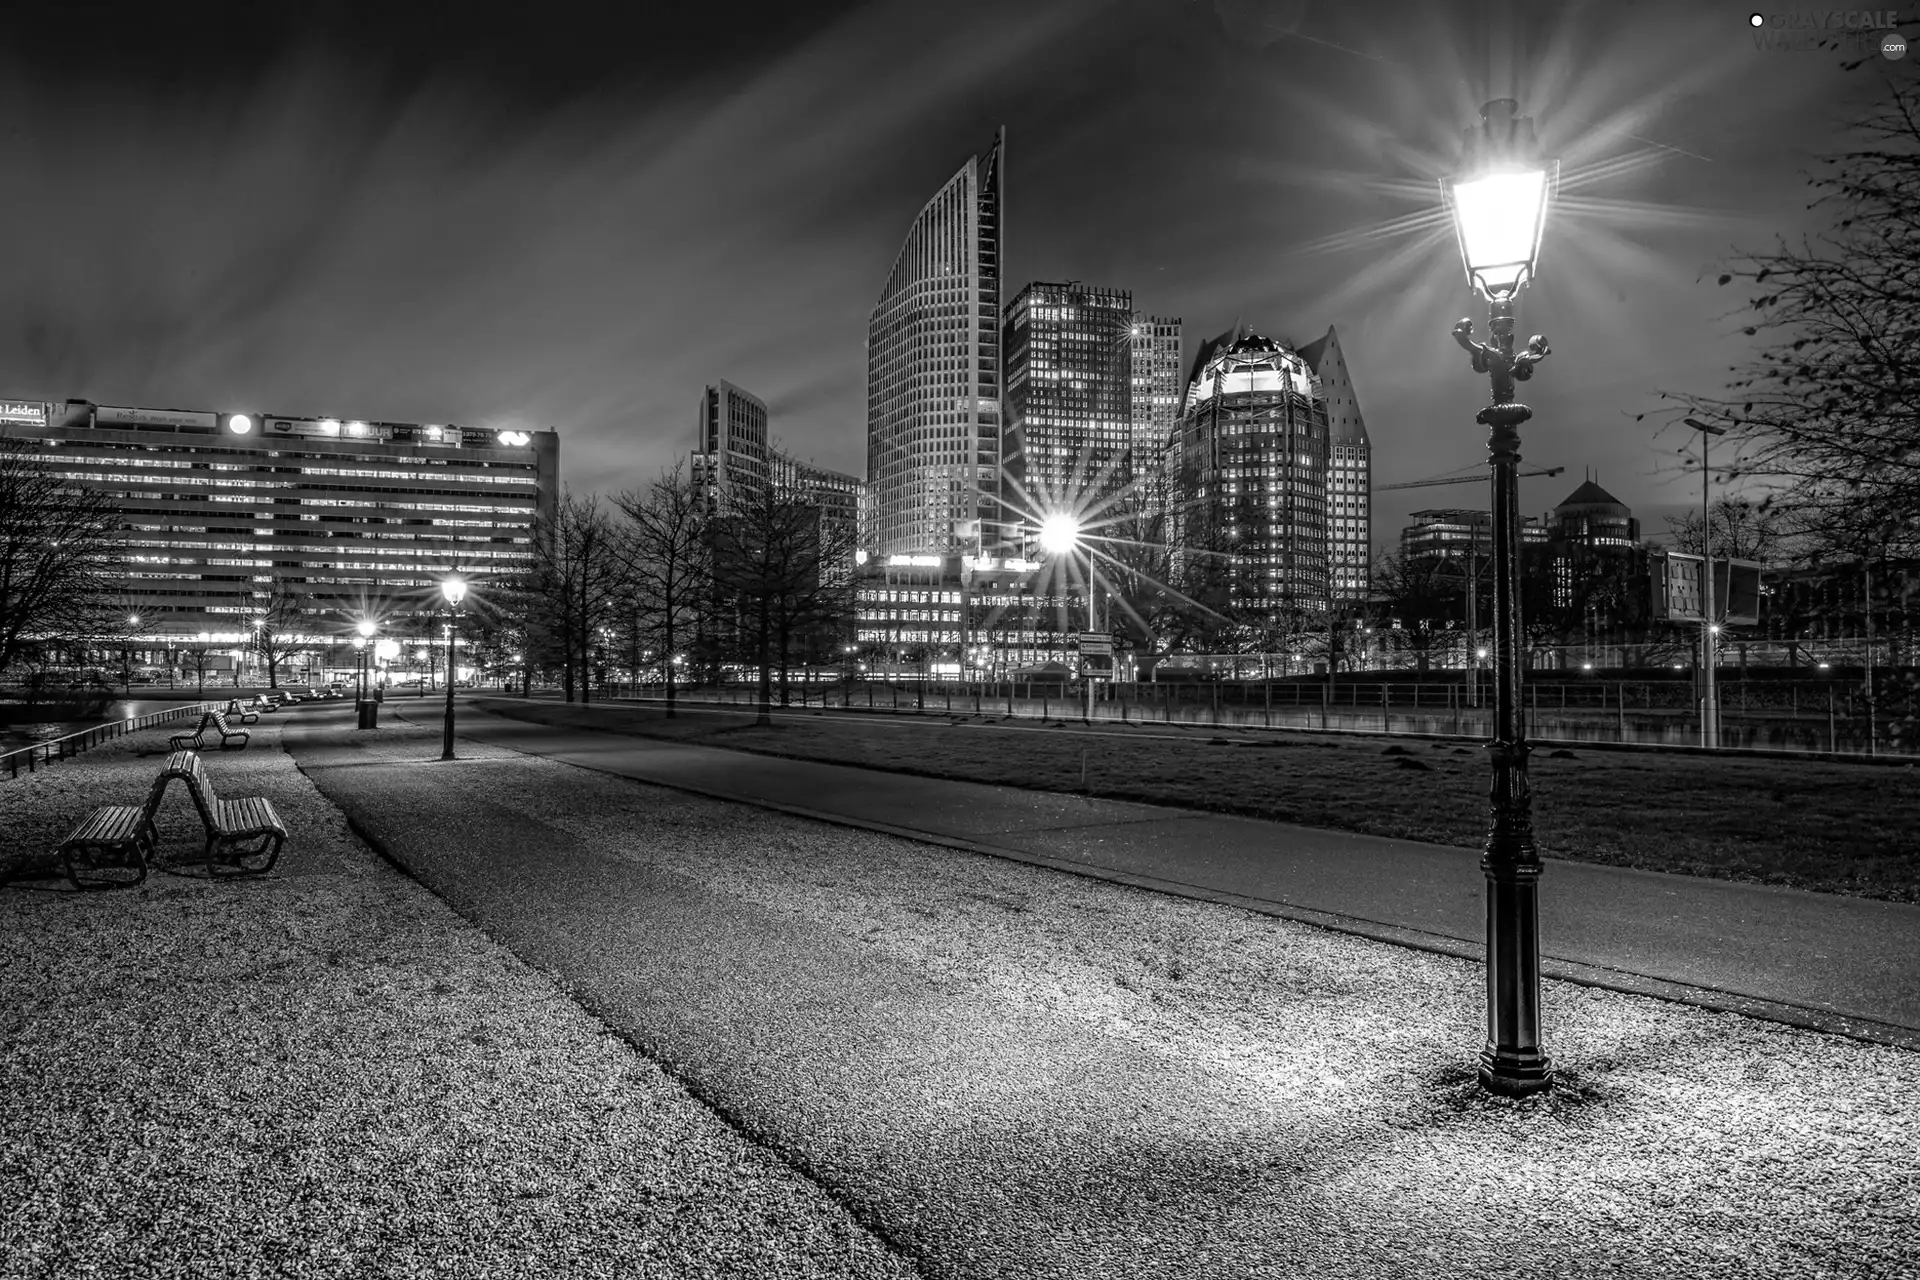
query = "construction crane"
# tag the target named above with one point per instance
(1421, 484)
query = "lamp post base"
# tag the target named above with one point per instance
(1515, 1075)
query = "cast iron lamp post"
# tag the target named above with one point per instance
(1498, 199)
(455, 590)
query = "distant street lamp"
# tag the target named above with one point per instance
(1709, 659)
(1498, 199)
(1060, 536)
(454, 588)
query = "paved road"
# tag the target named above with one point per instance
(1834, 963)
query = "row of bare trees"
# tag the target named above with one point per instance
(667, 579)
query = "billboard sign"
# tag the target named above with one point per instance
(31, 412)
(110, 416)
(1676, 579)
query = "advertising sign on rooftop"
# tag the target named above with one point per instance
(112, 416)
(33, 412)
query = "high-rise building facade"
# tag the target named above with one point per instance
(1069, 397)
(933, 373)
(222, 513)
(1248, 475)
(1156, 396)
(1349, 473)
(838, 497)
(731, 454)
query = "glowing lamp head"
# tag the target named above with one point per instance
(1498, 200)
(240, 424)
(1479, 653)
(366, 627)
(454, 589)
(1059, 534)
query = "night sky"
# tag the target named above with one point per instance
(578, 216)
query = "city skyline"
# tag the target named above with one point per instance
(453, 243)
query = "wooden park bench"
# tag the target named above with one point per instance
(237, 710)
(113, 845)
(239, 832)
(208, 720)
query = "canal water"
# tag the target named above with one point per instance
(25, 733)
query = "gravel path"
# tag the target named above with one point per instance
(1013, 1072)
(327, 1072)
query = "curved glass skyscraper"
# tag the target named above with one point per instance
(933, 375)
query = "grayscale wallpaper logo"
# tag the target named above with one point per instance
(1850, 30)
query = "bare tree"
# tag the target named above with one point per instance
(59, 544)
(1742, 530)
(579, 581)
(276, 628)
(775, 568)
(1829, 411)
(1421, 595)
(196, 660)
(669, 566)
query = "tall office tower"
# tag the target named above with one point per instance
(933, 373)
(1156, 398)
(1069, 401)
(1248, 477)
(1350, 473)
(732, 456)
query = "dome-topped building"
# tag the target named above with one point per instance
(1592, 517)
(1247, 471)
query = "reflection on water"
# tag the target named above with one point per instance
(15, 736)
(26, 734)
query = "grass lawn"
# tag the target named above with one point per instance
(1833, 828)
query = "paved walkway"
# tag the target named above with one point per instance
(1833, 963)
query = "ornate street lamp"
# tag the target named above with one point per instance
(1498, 198)
(1060, 536)
(454, 588)
(366, 629)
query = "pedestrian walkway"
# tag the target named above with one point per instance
(1848, 965)
(1003, 1071)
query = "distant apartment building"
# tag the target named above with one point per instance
(933, 373)
(1156, 400)
(1452, 534)
(731, 453)
(223, 513)
(1247, 476)
(1069, 397)
(977, 618)
(1349, 473)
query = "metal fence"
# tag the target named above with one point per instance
(72, 744)
(1824, 716)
